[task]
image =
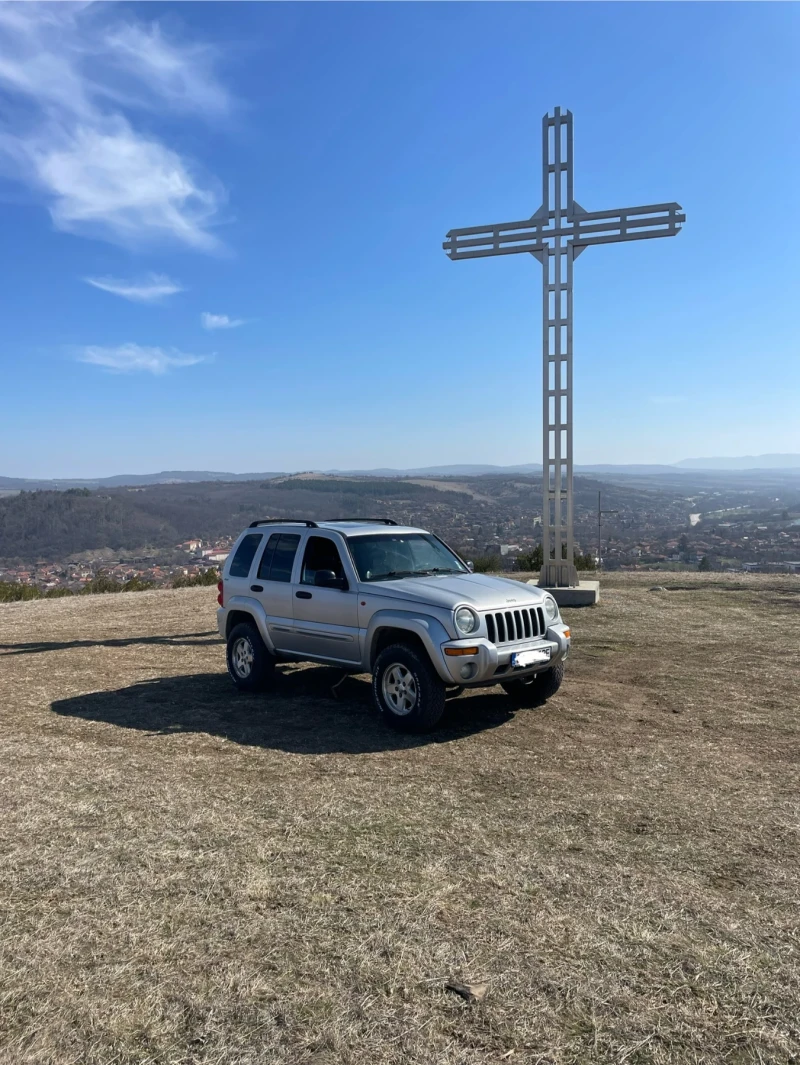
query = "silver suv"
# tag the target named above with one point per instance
(371, 596)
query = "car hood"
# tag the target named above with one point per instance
(476, 589)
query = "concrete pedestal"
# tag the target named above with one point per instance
(585, 593)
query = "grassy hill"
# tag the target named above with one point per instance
(55, 524)
(190, 875)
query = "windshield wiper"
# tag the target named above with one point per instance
(397, 573)
(412, 573)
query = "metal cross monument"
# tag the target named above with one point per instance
(557, 234)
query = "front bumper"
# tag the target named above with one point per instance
(492, 663)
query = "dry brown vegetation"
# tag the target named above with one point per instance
(195, 877)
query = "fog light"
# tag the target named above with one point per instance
(468, 670)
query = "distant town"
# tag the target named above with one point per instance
(201, 558)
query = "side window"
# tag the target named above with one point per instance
(278, 558)
(266, 558)
(321, 553)
(245, 553)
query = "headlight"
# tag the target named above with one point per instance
(550, 608)
(466, 620)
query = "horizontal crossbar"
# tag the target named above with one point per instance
(615, 238)
(652, 208)
(500, 227)
(538, 219)
(531, 247)
(583, 229)
(577, 231)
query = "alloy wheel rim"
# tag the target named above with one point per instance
(242, 657)
(399, 689)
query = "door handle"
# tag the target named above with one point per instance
(303, 595)
(256, 588)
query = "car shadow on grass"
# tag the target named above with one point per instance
(299, 714)
(186, 639)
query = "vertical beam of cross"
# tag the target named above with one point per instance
(557, 259)
(556, 235)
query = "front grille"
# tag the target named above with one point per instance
(510, 626)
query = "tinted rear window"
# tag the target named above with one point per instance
(278, 558)
(245, 553)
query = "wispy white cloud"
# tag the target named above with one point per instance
(163, 70)
(73, 80)
(133, 358)
(219, 321)
(149, 289)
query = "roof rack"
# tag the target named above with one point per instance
(365, 521)
(283, 521)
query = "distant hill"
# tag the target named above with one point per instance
(197, 476)
(156, 517)
(746, 462)
(635, 469)
(29, 484)
(458, 470)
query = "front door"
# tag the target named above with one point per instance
(325, 619)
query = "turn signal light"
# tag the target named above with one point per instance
(456, 652)
(219, 593)
(566, 633)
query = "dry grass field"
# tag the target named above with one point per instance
(190, 876)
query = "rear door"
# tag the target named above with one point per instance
(325, 619)
(272, 586)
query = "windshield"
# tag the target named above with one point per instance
(388, 557)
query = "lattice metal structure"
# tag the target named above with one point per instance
(556, 235)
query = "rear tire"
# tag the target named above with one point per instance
(407, 690)
(536, 690)
(250, 664)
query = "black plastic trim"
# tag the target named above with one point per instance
(366, 521)
(283, 521)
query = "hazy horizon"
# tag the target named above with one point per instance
(771, 461)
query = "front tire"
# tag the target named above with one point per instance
(250, 664)
(535, 690)
(407, 690)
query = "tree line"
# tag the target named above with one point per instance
(527, 561)
(394, 489)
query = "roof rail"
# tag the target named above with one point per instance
(283, 521)
(366, 521)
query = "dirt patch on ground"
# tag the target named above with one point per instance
(191, 876)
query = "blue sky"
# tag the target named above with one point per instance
(222, 230)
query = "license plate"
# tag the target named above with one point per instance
(521, 659)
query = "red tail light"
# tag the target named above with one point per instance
(219, 591)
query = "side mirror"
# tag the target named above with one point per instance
(326, 578)
(471, 567)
